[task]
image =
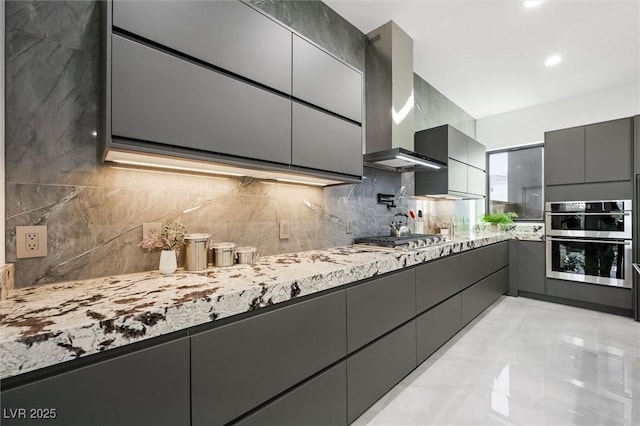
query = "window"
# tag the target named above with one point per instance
(515, 182)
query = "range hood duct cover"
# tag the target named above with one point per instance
(390, 103)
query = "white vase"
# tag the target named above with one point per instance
(168, 262)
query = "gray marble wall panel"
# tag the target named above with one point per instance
(94, 212)
(433, 109)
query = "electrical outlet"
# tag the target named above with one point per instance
(284, 229)
(31, 241)
(149, 227)
(349, 229)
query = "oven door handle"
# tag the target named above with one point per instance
(588, 214)
(625, 242)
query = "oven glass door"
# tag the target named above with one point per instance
(591, 261)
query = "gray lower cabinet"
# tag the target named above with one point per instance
(379, 306)
(378, 367)
(322, 401)
(322, 80)
(159, 98)
(564, 156)
(227, 34)
(531, 266)
(616, 297)
(237, 367)
(608, 151)
(324, 142)
(496, 285)
(473, 302)
(497, 257)
(474, 266)
(437, 325)
(437, 280)
(148, 387)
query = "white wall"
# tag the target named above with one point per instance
(528, 125)
(2, 172)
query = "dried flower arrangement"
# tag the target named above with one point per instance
(171, 238)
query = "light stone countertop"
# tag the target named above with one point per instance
(46, 325)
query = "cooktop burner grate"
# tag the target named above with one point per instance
(415, 240)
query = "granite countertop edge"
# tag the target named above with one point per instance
(51, 324)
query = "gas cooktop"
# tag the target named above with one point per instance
(412, 241)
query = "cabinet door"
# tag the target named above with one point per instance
(378, 367)
(437, 325)
(437, 280)
(457, 176)
(473, 266)
(324, 142)
(378, 306)
(608, 151)
(148, 387)
(476, 181)
(531, 266)
(322, 80)
(320, 402)
(458, 145)
(476, 154)
(564, 156)
(227, 34)
(497, 257)
(236, 367)
(157, 97)
(473, 302)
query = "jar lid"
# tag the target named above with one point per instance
(197, 237)
(222, 245)
(245, 249)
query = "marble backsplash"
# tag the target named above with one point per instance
(94, 212)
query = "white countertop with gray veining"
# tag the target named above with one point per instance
(50, 324)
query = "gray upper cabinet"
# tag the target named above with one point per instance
(465, 174)
(159, 98)
(147, 387)
(324, 142)
(596, 153)
(608, 151)
(227, 34)
(322, 80)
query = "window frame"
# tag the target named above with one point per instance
(512, 149)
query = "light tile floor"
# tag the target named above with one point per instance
(524, 362)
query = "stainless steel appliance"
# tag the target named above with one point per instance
(590, 242)
(404, 242)
(597, 219)
(195, 258)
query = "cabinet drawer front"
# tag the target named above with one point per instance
(239, 366)
(437, 280)
(378, 306)
(496, 285)
(437, 325)
(497, 256)
(473, 266)
(592, 293)
(377, 368)
(159, 98)
(476, 182)
(457, 176)
(322, 80)
(473, 302)
(319, 402)
(148, 387)
(227, 34)
(324, 142)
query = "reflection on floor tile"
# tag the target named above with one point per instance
(524, 362)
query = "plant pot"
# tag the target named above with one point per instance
(168, 262)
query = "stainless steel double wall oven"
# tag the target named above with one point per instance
(590, 241)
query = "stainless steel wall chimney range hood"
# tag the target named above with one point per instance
(389, 94)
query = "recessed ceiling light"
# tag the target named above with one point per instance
(532, 3)
(553, 60)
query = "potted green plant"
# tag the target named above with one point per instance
(497, 220)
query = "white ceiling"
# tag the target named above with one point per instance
(488, 56)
